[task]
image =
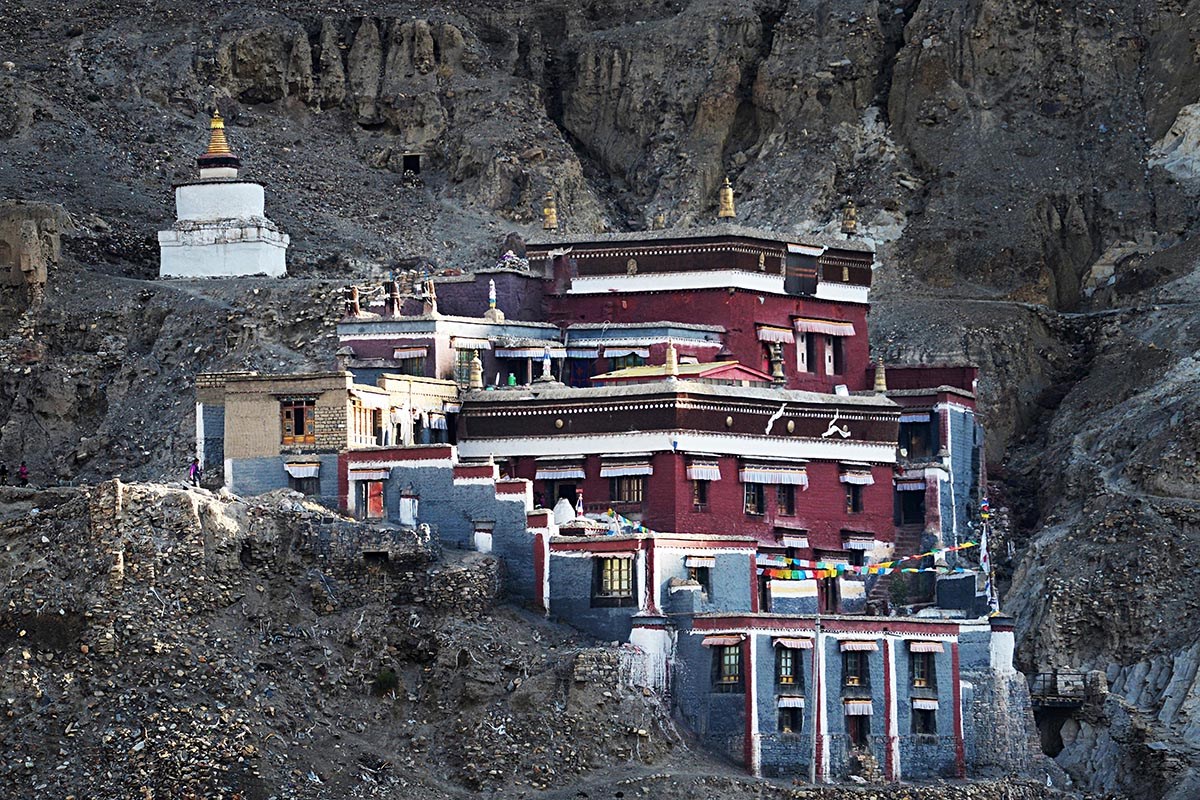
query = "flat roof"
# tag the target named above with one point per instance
(589, 326)
(720, 230)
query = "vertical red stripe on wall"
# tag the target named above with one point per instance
(960, 757)
(748, 684)
(343, 482)
(650, 606)
(754, 583)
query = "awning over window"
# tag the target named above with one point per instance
(303, 470)
(467, 343)
(828, 327)
(915, 416)
(583, 352)
(703, 471)
(401, 353)
(529, 352)
(925, 647)
(618, 469)
(617, 352)
(858, 541)
(699, 561)
(451, 408)
(800, 542)
(794, 644)
(855, 474)
(792, 475)
(910, 486)
(859, 645)
(858, 708)
(722, 641)
(559, 472)
(921, 704)
(771, 333)
(437, 422)
(370, 474)
(791, 702)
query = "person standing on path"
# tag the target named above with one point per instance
(3, 474)
(22, 475)
(195, 471)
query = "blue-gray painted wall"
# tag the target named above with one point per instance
(966, 443)
(253, 476)
(212, 420)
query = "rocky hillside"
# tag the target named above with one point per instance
(1027, 170)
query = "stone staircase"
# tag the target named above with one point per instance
(908, 541)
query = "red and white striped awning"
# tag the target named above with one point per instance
(925, 647)
(772, 333)
(583, 352)
(858, 708)
(704, 471)
(722, 641)
(617, 352)
(559, 472)
(401, 353)
(859, 645)
(699, 561)
(620, 469)
(777, 474)
(830, 327)
(370, 474)
(922, 704)
(791, 702)
(859, 541)
(303, 470)
(858, 475)
(910, 486)
(468, 343)
(794, 644)
(529, 352)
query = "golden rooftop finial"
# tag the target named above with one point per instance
(880, 377)
(849, 219)
(217, 144)
(549, 212)
(725, 208)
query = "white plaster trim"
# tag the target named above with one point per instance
(684, 442)
(752, 688)
(506, 497)
(821, 769)
(200, 433)
(546, 573)
(350, 337)
(952, 406)
(679, 281)
(229, 475)
(639, 570)
(893, 731)
(419, 463)
(473, 481)
(702, 552)
(843, 293)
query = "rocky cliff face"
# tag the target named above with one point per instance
(1028, 172)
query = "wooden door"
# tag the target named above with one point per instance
(374, 499)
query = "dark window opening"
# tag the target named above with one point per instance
(829, 596)
(375, 558)
(412, 163)
(917, 439)
(627, 489)
(702, 576)
(858, 729)
(854, 498)
(786, 500)
(790, 720)
(912, 507)
(727, 669)
(755, 499)
(305, 486)
(699, 495)
(613, 582)
(412, 366)
(924, 722)
(839, 355)
(855, 669)
(764, 593)
(624, 362)
(788, 670)
(810, 352)
(922, 667)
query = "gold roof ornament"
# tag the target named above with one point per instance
(549, 212)
(849, 219)
(725, 209)
(660, 221)
(218, 145)
(880, 377)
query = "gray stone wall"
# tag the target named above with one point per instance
(212, 421)
(717, 718)
(571, 600)
(782, 754)
(966, 441)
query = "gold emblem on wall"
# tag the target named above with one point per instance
(631, 267)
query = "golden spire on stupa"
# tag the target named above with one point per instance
(218, 145)
(725, 208)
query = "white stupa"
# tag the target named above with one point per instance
(221, 228)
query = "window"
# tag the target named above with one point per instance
(922, 668)
(854, 498)
(412, 366)
(786, 500)
(627, 489)
(858, 729)
(297, 418)
(462, 366)
(855, 668)
(809, 344)
(755, 499)
(306, 486)
(613, 582)
(700, 495)
(790, 720)
(839, 355)
(916, 439)
(366, 425)
(622, 362)
(787, 668)
(924, 722)
(727, 668)
(702, 576)
(829, 598)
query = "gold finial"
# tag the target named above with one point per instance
(217, 144)
(849, 219)
(660, 221)
(725, 208)
(672, 360)
(880, 377)
(549, 212)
